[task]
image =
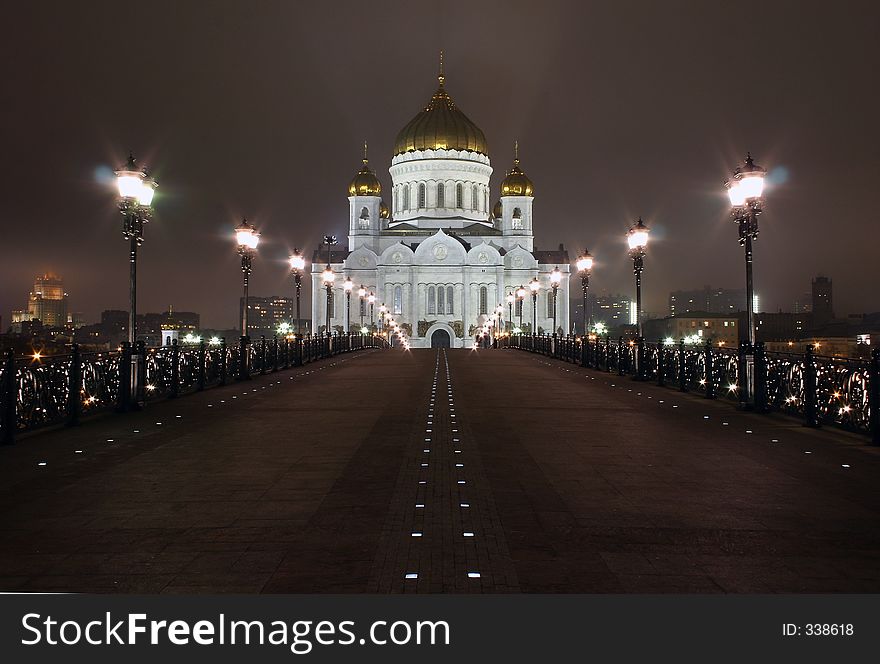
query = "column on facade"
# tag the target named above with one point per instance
(417, 311)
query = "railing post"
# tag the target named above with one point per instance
(682, 368)
(139, 396)
(200, 384)
(710, 379)
(242, 368)
(274, 353)
(123, 397)
(640, 359)
(760, 378)
(874, 396)
(223, 361)
(175, 370)
(9, 413)
(262, 354)
(661, 363)
(74, 387)
(585, 351)
(743, 372)
(286, 353)
(621, 366)
(811, 418)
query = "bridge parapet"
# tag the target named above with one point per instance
(819, 390)
(40, 391)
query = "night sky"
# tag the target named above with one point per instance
(261, 108)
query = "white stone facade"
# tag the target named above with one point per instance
(441, 262)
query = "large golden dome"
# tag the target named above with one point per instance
(441, 126)
(365, 183)
(517, 183)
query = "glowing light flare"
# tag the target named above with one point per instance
(328, 277)
(297, 262)
(534, 285)
(348, 285)
(585, 263)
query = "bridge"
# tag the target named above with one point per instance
(340, 465)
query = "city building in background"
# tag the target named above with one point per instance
(266, 314)
(47, 303)
(708, 299)
(823, 310)
(613, 310)
(697, 326)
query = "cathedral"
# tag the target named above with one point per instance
(438, 256)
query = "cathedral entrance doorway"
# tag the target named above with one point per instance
(440, 339)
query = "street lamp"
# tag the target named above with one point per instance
(534, 286)
(297, 266)
(510, 300)
(247, 238)
(136, 189)
(371, 298)
(362, 294)
(637, 238)
(521, 294)
(745, 191)
(327, 277)
(347, 286)
(329, 240)
(584, 266)
(555, 278)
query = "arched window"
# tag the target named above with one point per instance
(484, 300)
(518, 308)
(398, 300)
(397, 199)
(474, 198)
(364, 220)
(441, 300)
(486, 200)
(549, 304)
(441, 195)
(516, 222)
(432, 300)
(363, 301)
(422, 196)
(459, 196)
(449, 299)
(406, 197)
(330, 303)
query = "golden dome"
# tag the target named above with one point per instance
(517, 183)
(365, 183)
(384, 212)
(496, 210)
(441, 126)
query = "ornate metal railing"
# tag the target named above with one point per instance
(820, 390)
(59, 389)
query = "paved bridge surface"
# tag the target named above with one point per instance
(440, 471)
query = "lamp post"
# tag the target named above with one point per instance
(534, 286)
(327, 277)
(136, 189)
(499, 310)
(297, 266)
(745, 192)
(362, 294)
(637, 238)
(347, 286)
(371, 298)
(247, 238)
(521, 294)
(555, 278)
(510, 298)
(584, 266)
(383, 310)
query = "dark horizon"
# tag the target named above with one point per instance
(261, 110)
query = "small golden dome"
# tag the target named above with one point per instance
(384, 212)
(517, 183)
(496, 210)
(441, 126)
(365, 183)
